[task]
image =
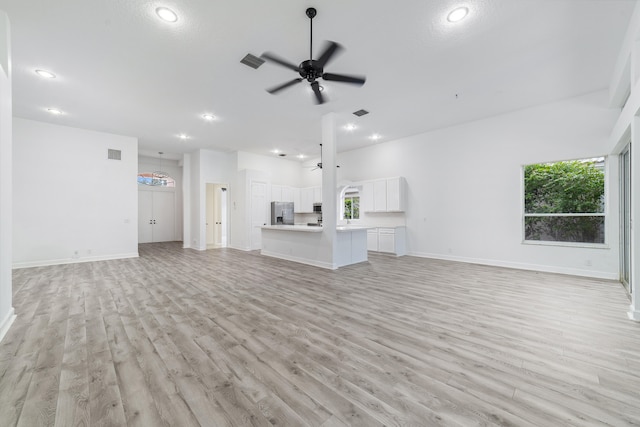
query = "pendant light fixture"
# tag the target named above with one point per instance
(159, 177)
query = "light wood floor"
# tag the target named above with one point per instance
(216, 338)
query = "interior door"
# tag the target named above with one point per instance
(217, 216)
(210, 214)
(145, 216)
(258, 212)
(164, 216)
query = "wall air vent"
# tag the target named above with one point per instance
(114, 154)
(360, 113)
(252, 61)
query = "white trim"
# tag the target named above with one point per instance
(633, 314)
(315, 263)
(45, 263)
(522, 266)
(563, 214)
(566, 244)
(6, 323)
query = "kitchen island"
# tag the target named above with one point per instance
(308, 244)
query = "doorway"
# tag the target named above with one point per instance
(625, 218)
(156, 215)
(216, 215)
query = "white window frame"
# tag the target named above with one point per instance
(603, 214)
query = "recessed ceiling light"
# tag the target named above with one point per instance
(183, 137)
(301, 156)
(166, 14)
(54, 111)
(46, 74)
(375, 137)
(275, 151)
(458, 14)
(209, 117)
(350, 127)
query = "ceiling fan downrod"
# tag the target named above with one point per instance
(311, 13)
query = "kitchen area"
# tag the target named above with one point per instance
(369, 216)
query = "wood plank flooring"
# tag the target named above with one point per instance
(227, 338)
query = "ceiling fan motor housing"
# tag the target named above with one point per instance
(311, 70)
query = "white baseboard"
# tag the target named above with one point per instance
(6, 323)
(522, 266)
(43, 263)
(633, 314)
(315, 263)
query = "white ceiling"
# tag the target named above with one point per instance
(122, 70)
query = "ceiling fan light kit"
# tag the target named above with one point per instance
(313, 69)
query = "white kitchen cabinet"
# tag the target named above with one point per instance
(366, 201)
(287, 194)
(372, 239)
(296, 199)
(384, 195)
(306, 200)
(387, 239)
(396, 194)
(380, 195)
(317, 194)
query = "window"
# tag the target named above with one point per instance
(157, 179)
(564, 201)
(351, 207)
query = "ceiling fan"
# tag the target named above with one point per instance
(313, 69)
(319, 164)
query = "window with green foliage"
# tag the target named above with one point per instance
(564, 201)
(351, 207)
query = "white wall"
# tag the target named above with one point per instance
(172, 167)
(465, 184)
(6, 251)
(281, 171)
(72, 204)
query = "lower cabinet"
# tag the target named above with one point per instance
(372, 239)
(387, 239)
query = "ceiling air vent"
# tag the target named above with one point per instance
(114, 154)
(252, 61)
(361, 113)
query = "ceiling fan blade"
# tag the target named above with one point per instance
(274, 58)
(315, 86)
(331, 49)
(284, 85)
(359, 80)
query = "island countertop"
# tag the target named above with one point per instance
(313, 228)
(305, 228)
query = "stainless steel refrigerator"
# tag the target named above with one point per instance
(281, 213)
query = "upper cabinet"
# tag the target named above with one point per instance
(302, 198)
(384, 195)
(287, 194)
(306, 200)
